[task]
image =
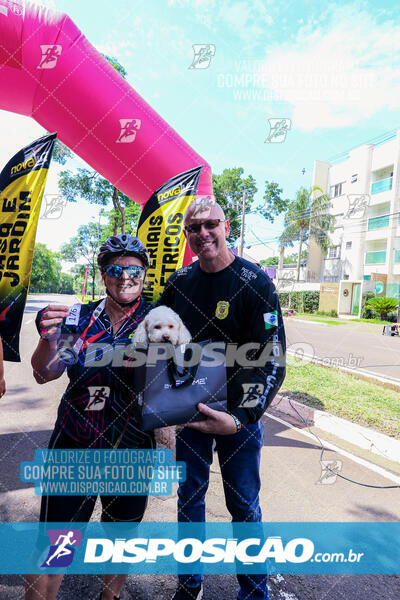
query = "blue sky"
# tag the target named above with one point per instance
(332, 70)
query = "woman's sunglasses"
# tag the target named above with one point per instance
(209, 224)
(134, 271)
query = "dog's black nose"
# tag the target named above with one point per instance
(166, 338)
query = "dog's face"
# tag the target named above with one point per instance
(161, 330)
(162, 325)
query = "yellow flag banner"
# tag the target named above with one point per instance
(22, 184)
(160, 228)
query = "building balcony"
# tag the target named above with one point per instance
(375, 258)
(382, 186)
(378, 222)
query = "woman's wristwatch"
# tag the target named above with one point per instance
(238, 423)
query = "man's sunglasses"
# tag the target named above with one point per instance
(134, 271)
(209, 224)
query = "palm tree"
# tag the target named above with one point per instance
(307, 215)
(383, 306)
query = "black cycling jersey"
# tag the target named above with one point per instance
(237, 305)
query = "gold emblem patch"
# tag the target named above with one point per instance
(221, 312)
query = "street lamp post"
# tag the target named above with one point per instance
(244, 197)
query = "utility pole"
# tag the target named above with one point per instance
(244, 197)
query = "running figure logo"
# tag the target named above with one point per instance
(54, 206)
(358, 204)
(98, 397)
(329, 471)
(278, 129)
(203, 54)
(129, 127)
(287, 279)
(61, 551)
(50, 54)
(251, 394)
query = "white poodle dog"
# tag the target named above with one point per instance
(162, 325)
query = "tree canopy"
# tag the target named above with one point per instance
(85, 246)
(46, 275)
(308, 214)
(229, 187)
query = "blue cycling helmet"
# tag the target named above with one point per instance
(123, 245)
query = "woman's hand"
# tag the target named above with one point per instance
(2, 387)
(51, 318)
(44, 361)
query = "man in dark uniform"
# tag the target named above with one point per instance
(226, 298)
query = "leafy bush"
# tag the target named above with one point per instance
(367, 313)
(283, 298)
(307, 301)
(323, 313)
(383, 306)
(392, 316)
(311, 301)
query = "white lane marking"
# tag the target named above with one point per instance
(330, 446)
(27, 322)
(311, 322)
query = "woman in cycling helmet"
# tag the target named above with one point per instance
(96, 408)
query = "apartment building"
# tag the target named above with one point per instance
(364, 186)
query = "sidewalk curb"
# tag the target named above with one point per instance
(368, 439)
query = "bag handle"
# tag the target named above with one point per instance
(182, 377)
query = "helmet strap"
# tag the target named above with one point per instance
(123, 304)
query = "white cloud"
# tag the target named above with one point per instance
(339, 71)
(47, 3)
(19, 131)
(245, 19)
(248, 20)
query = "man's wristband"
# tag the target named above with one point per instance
(238, 423)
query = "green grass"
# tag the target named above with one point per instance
(341, 394)
(328, 322)
(318, 319)
(372, 321)
(334, 321)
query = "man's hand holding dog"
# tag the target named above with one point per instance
(216, 422)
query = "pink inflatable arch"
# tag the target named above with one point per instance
(49, 71)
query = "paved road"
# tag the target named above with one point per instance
(290, 471)
(354, 345)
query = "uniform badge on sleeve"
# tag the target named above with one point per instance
(271, 319)
(222, 310)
